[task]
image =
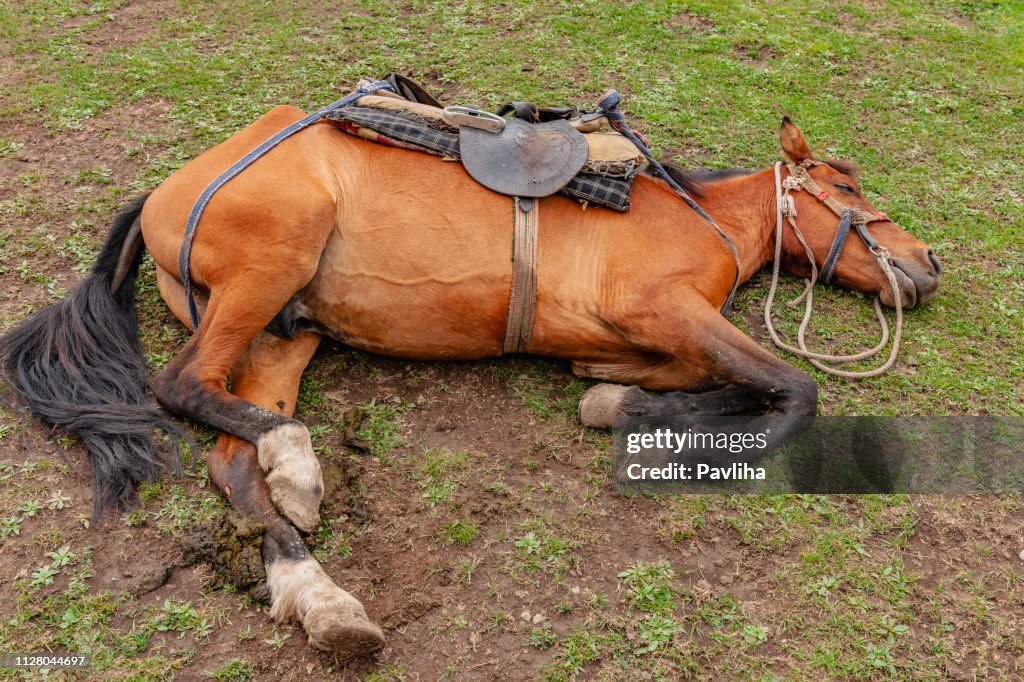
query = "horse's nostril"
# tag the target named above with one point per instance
(935, 262)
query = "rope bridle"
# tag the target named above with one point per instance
(800, 179)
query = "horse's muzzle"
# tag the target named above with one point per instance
(918, 279)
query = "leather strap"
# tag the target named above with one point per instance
(829, 268)
(527, 111)
(522, 301)
(849, 216)
(192, 225)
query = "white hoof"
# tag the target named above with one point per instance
(333, 619)
(300, 505)
(294, 476)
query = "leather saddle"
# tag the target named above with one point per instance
(523, 156)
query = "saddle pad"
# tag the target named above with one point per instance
(407, 130)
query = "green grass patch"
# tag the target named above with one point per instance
(381, 428)
(437, 472)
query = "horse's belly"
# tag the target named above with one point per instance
(425, 301)
(425, 321)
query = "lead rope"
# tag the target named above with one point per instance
(784, 206)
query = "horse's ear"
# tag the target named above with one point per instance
(794, 146)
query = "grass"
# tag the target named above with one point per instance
(381, 429)
(925, 95)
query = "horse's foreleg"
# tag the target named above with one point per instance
(300, 590)
(604, 402)
(695, 351)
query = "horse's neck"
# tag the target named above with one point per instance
(744, 207)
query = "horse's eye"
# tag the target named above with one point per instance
(846, 189)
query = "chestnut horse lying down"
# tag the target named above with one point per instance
(402, 254)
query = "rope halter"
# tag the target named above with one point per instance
(800, 179)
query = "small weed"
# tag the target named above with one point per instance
(311, 396)
(30, 507)
(529, 543)
(135, 518)
(465, 567)
(544, 551)
(890, 629)
(235, 670)
(657, 629)
(179, 616)
(880, 658)
(183, 510)
(498, 621)
(43, 576)
(277, 640)
(541, 638)
(754, 635)
(458, 532)
(435, 473)
(9, 147)
(91, 176)
(381, 429)
(650, 586)
(11, 525)
(330, 541)
(58, 500)
(61, 557)
(388, 673)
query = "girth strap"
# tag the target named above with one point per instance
(522, 301)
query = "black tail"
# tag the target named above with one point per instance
(79, 365)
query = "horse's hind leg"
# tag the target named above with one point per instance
(265, 379)
(299, 588)
(268, 375)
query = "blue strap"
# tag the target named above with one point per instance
(609, 106)
(185, 255)
(829, 268)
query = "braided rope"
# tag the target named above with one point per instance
(784, 207)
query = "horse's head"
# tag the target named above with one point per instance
(830, 206)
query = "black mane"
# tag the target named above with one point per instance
(693, 181)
